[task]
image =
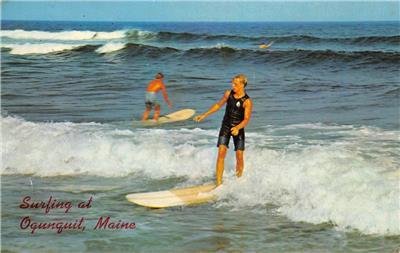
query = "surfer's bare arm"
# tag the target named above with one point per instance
(165, 95)
(248, 108)
(215, 107)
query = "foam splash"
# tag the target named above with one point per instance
(65, 35)
(55, 149)
(220, 45)
(338, 181)
(45, 48)
(110, 47)
(321, 184)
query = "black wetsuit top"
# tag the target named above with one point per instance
(234, 112)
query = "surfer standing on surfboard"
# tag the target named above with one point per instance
(153, 88)
(237, 116)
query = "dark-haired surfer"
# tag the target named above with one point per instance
(153, 88)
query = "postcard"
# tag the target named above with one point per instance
(200, 126)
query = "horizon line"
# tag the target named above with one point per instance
(208, 21)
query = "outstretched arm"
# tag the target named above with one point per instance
(248, 108)
(165, 95)
(215, 107)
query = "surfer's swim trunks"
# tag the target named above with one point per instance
(151, 100)
(234, 114)
(225, 136)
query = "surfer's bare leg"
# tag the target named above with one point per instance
(239, 163)
(220, 163)
(157, 110)
(146, 113)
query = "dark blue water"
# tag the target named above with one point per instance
(346, 73)
(321, 162)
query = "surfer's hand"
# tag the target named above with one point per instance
(234, 131)
(169, 105)
(199, 118)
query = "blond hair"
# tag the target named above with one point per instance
(242, 78)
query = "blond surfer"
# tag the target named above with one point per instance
(153, 88)
(237, 116)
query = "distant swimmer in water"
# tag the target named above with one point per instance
(264, 45)
(153, 88)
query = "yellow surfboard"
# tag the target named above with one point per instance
(175, 197)
(172, 117)
(265, 46)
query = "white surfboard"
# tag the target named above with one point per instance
(175, 197)
(172, 117)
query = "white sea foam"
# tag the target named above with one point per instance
(217, 46)
(352, 182)
(75, 35)
(45, 48)
(321, 184)
(341, 182)
(53, 149)
(110, 47)
(65, 35)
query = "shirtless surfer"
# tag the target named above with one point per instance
(153, 88)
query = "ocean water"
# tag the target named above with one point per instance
(322, 148)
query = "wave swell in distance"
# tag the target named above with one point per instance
(140, 35)
(291, 57)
